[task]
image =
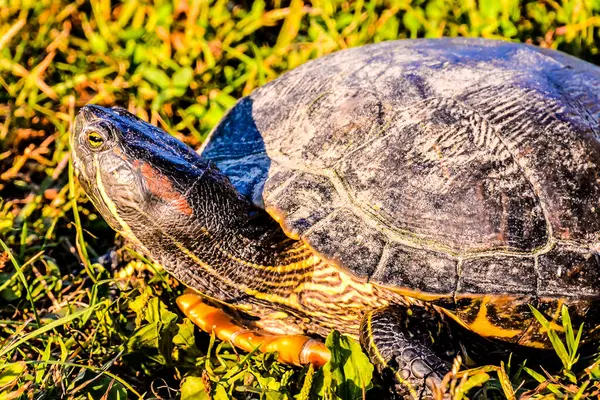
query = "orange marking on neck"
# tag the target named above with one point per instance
(162, 187)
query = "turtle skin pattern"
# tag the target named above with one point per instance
(399, 342)
(455, 167)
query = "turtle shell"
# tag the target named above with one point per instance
(453, 166)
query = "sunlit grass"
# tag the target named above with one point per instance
(84, 316)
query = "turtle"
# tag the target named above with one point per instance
(397, 192)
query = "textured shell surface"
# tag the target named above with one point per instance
(448, 166)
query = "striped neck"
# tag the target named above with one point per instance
(217, 242)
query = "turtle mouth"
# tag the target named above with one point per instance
(112, 186)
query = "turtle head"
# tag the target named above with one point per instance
(166, 199)
(138, 176)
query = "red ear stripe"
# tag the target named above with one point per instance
(161, 187)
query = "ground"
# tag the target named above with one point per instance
(82, 314)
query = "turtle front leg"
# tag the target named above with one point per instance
(291, 349)
(399, 342)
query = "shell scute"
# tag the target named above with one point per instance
(555, 143)
(498, 274)
(568, 270)
(440, 160)
(344, 230)
(403, 267)
(302, 200)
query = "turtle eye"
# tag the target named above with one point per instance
(95, 139)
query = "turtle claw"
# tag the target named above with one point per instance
(291, 349)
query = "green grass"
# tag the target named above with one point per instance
(84, 316)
